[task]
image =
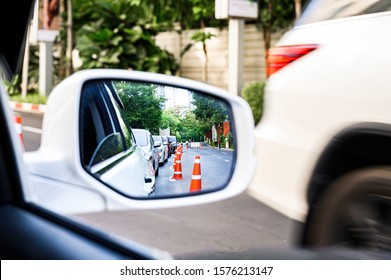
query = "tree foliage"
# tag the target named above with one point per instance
(143, 108)
(171, 120)
(119, 34)
(209, 110)
(192, 128)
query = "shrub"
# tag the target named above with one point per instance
(253, 94)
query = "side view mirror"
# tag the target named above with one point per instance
(89, 159)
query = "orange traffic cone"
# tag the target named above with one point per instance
(18, 128)
(177, 168)
(195, 185)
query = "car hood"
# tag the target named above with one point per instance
(14, 21)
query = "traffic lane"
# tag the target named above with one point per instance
(215, 171)
(228, 228)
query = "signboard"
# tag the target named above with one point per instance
(240, 9)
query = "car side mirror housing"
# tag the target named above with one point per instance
(93, 163)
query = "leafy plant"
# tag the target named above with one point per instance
(253, 94)
(119, 34)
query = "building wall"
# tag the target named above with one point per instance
(192, 63)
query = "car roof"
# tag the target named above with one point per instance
(15, 17)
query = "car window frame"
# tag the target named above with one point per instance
(113, 112)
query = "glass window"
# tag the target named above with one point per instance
(95, 122)
(125, 129)
(141, 138)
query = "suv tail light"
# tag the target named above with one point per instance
(280, 57)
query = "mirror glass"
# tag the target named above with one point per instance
(147, 140)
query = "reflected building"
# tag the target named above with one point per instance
(176, 98)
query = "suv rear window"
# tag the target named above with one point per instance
(319, 10)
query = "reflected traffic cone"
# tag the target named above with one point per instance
(177, 168)
(175, 159)
(195, 185)
(173, 163)
(18, 128)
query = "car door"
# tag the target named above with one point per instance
(155, 154)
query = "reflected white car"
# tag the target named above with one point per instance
(145, 141)
(161, 149)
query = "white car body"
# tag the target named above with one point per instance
(344, 83)
(58, 180)
(160, 147)
(147, 146)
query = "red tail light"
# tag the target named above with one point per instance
(280, 57)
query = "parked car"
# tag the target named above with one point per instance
(160, 147)
(173, 143)
(145, 141)
(323, 141)
(167, 149)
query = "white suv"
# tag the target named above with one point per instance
(324, 142)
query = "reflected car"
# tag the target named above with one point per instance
(167, 149)
(158, 142)
(145, 141)
(173, 143)
(323, 141)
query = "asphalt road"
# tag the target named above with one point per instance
(240, 227)
(215, 165)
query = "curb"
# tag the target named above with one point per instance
(27, 107)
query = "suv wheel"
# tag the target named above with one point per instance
(355, 211)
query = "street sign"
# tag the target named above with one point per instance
(239, 9)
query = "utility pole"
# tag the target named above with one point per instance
(236, 11)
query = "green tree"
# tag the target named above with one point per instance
(119, 34)
(170, 120)
(191, 128)
(143, 108)
(209, 110)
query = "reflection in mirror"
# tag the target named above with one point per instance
(151, 140)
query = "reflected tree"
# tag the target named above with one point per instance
(143, 108)
(209, 110)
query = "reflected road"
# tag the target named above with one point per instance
(215, 165)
